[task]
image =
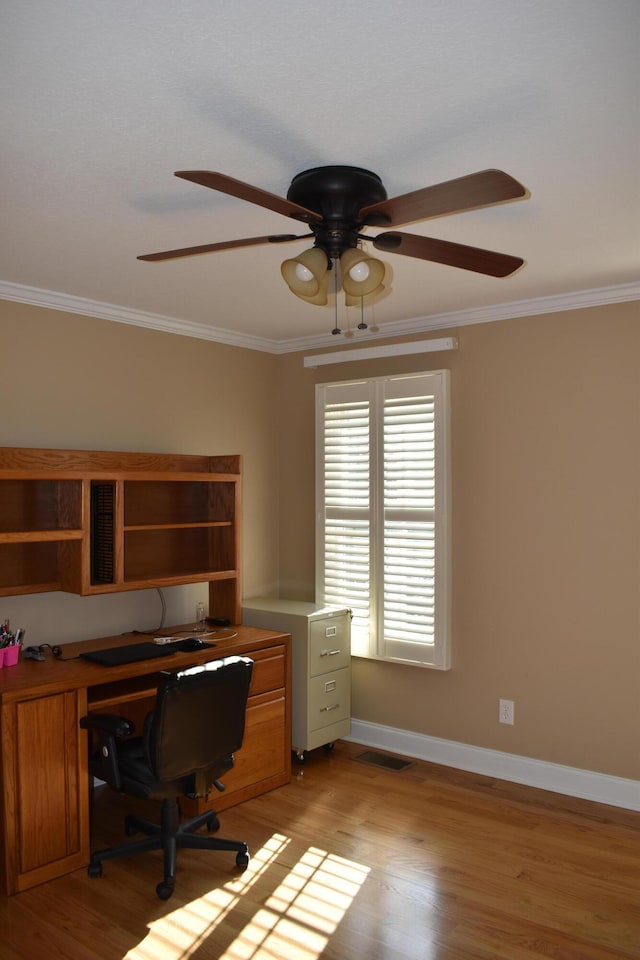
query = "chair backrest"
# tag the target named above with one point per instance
(199, 718)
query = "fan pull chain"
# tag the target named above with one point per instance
(362, 325)
(336, 329)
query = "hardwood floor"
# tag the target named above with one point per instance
(354, 862)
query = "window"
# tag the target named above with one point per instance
(383, 525)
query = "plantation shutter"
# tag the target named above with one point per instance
(383, 509)
(345, 554)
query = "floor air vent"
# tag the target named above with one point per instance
(384, 760)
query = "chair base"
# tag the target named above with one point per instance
(167, 836)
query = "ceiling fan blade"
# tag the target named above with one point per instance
(453, 196)
(452, 254)
(224, 245)
(244, 191)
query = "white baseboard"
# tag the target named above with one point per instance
(571, 781)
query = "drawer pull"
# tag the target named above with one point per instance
(329, 653)
(334, 706)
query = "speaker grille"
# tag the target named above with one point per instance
(102, 531)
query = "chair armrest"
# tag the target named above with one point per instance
(108, 729)
(108, 723)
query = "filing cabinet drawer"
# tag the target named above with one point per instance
(329, 645)
(329, 699)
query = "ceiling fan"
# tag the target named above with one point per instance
(338, 203)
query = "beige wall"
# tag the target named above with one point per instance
(546, 545)
(546, 494)
(77, 382)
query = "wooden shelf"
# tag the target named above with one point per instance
(176, 526)
(41, 536)
(93, 522)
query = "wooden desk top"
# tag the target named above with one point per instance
(32, 678)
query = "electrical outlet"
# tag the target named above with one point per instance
(505, 711)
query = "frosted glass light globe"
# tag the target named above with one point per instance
(303, 273)
(360, 271)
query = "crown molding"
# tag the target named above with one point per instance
(578, 300)
(68, 303)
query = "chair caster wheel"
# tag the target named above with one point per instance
(242, 860)
(213, 823)
(94, 869)
(164, 889)
(301, 756)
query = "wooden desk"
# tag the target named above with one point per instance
(44, 780)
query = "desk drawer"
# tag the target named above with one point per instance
(269, 670)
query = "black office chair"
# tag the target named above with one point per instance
(187, 742)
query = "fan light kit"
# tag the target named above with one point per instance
(338, 203)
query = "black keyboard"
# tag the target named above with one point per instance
(131, 653)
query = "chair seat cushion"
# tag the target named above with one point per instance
(138, 779)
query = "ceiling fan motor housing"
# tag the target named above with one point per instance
(338, 193)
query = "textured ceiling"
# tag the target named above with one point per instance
(103, 101)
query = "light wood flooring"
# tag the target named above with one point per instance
(354, 862)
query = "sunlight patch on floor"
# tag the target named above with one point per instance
(295, 923)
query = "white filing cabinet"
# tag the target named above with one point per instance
(320, 666)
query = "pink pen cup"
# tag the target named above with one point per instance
(11, 655)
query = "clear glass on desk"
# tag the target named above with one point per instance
(201, 618)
